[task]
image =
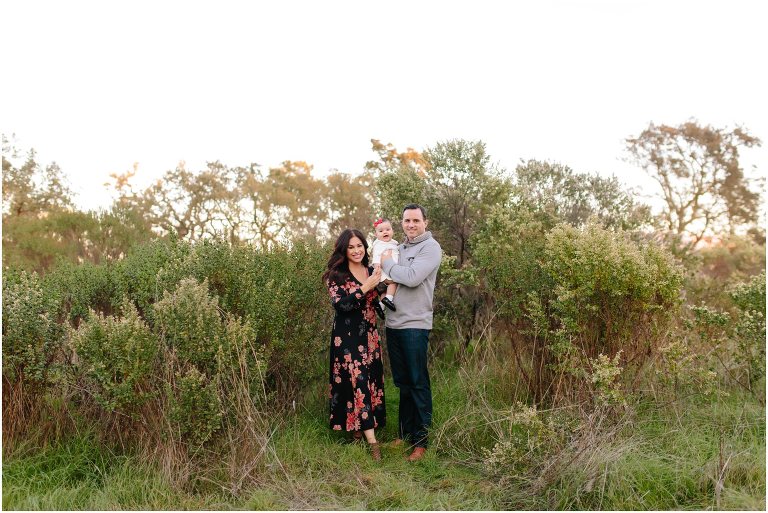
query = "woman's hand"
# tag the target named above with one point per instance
(372, 281)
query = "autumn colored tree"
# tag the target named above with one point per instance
(41, 224)
(194, 205)
(350, 202)
(389, 159)
(285, 202)
(702, 183)
(28, 187)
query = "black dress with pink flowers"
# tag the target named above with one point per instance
(356, 390)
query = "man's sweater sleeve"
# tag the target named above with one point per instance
(424, 263)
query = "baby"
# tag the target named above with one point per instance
(383, 242)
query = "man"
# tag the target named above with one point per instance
(408, 327)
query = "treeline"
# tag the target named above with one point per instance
(702, 186)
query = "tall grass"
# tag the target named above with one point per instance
(708, 453)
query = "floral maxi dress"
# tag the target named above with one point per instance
(356, 389)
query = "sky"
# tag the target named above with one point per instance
(98, 86)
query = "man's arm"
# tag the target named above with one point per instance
(426, 261)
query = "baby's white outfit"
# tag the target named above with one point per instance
(377, 248)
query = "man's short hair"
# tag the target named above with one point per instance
(414, 206)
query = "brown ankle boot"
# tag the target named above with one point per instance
(375, 451)
(417, 454)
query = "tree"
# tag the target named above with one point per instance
(558, 194)
(286, 202)
(30, 189)
(463, 186)
(350, 201)
(194, 205)
(702, 183)
(390, 159)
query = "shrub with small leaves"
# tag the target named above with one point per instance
(190, 322)
(522, 445)
(195, 407)
(681, 367)
(31, 334)
(611, 287)
(749, 331)
(603, 377)
(117, 355)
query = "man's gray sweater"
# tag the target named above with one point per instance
(415, 275)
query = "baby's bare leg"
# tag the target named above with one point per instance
(391, 288)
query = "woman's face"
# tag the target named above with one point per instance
(384, 231)
(355, 250)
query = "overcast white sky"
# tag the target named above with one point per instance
(97, 86)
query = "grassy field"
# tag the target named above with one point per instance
(703, 454)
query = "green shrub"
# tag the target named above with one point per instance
(190, 322)
(749, 330)
(523, 446)
(81, 288)
(31, 334)
(681, 367)
(608, 287)
(195, 406)
(137, 276)
(118, 356)
(567, 296)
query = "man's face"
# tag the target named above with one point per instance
(414, 223)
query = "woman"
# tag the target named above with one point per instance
(356, 370)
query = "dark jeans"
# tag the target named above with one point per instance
(408, 358)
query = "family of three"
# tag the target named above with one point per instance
(408, 271)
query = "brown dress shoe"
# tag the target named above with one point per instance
(417, 454)
(375, 451)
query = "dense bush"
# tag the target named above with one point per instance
(32, 341)
(749, 329)
(190, 323)
(118, 356)
(195, 407)
(608, 289)
(570, 295)
(32, 334)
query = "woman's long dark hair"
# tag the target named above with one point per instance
(338, 265)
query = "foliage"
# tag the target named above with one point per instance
(28, 188)
(190, 323)
(527, 440)
(397, 188)
(749, 330)
(350, 202)
(462, 187)
(605, 378)
(702, 183)
(118, 355)
(573, 294)
(607, 286)
(31, 333)
(680, 367)
(716, 266)
(195, 407)
(557, 194)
